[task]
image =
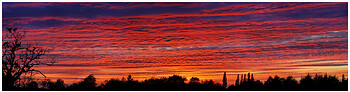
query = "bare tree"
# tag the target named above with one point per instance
(18, 58)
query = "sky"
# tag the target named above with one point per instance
(204, 40)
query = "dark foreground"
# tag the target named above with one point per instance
(179, 89)
(177, 83)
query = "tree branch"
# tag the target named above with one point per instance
(37, 71)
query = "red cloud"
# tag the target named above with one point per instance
(157, 4)
(149, 45)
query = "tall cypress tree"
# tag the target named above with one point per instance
(237, 80)
(224, 80)
(241, 79)
(244, 80)
(249, 77)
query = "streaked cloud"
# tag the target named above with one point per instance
(190, 39)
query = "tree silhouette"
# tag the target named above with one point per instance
(130, 78)
(113, 84)
(237, 80)
(58, 85)
(326, 82)
(176, 79)
(90, 81)
(32, 85)
(344, 83)
(274, 83)
(307, 82)
(247, 84)
(176, 82)
(25, 81)
(17, 58)
(249, 77)
(244, 78)
(210, 82)
(224, 80)
(211, 85)
(47, 84)
(155, 80)
(241, 79)
(194, 80)
(87, 84)
(290, 83)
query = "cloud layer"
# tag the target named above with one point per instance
(191, 39)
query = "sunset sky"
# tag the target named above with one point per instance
(112, 40)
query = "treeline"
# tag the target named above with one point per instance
(176, 82)
(307, 83)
